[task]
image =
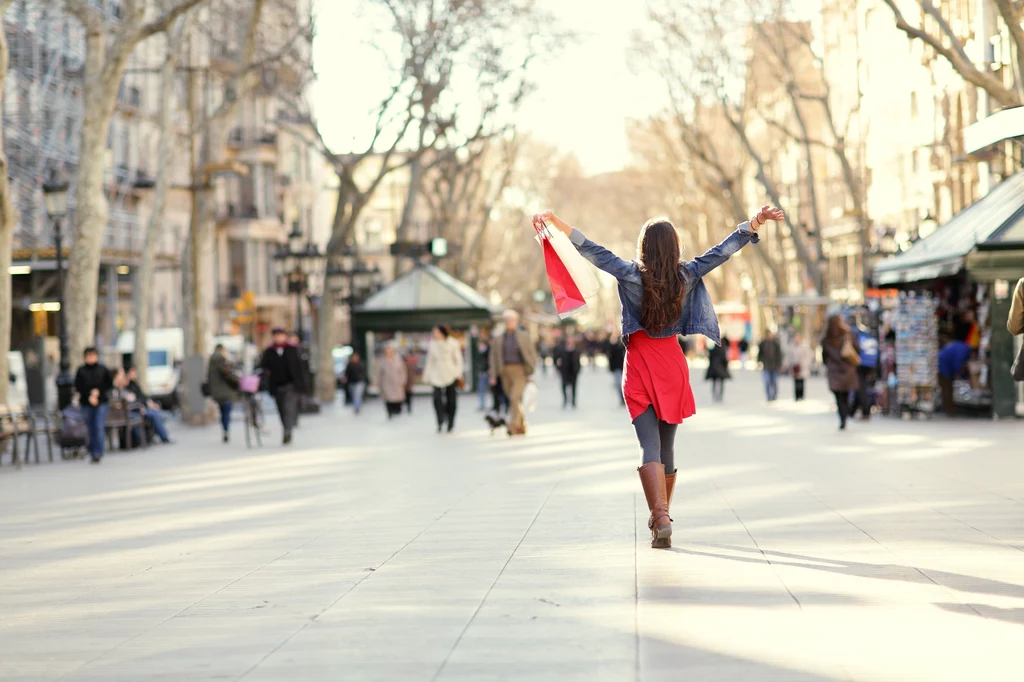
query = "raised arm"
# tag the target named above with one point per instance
(745, 233)
(600, 257)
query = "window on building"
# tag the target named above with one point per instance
(236, 267)
(272, 284)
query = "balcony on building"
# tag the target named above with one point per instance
(253, 144)
(225, 58)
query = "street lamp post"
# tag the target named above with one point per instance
(358, 280)
(55, 195)
(298, 262)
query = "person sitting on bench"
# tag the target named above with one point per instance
(150, 409)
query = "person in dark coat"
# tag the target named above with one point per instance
(356, 378)
(223, 383)
(718, 370)
(150, 409)
(285, 379)
(567, 360)
(842, 373)
(93, 383)
(769, 355)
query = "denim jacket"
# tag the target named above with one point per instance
(698, 315)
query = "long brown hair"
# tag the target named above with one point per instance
(836, 331)
(657, 253)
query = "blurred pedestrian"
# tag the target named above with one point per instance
(744, 348)
(801, 358)
(616, 354)
(356, 378)
(514, 359)
(769, 356)
(483, 379)
(866, 372)
(220, 378)
(151, 413)
(952, 365)
(718, 369)
(285, 379)
(443, 370)
(93, 383)
(543, 353)
(1015, 320)
(567, 361)
(840, 353)
(410, 378)
(500, 398)
(661, 297)
(391, 381)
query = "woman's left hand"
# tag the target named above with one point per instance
(766, 213)
(552, 219)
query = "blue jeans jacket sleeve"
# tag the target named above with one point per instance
(716, 255)
(601, 257)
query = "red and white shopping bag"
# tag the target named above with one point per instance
(572, 282)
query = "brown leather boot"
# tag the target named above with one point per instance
(670, 483)
(652, 478)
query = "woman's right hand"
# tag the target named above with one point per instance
(551, 219)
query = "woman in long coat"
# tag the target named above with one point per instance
(718, 369)
(842, 373)
(391, 381)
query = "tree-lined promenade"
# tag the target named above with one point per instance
(368, 552)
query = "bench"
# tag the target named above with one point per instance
(123, 417)
(13, 425)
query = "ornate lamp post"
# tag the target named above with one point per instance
(55, 195)
(357, 281)
(298, 261)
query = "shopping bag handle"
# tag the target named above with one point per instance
(541, 228)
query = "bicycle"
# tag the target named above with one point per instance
(249, 387)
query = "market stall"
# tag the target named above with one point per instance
(954, 300)
(406, 310)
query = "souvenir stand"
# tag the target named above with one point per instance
(917, 353)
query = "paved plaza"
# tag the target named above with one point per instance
(371, 550)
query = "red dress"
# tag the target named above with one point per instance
(656, 373)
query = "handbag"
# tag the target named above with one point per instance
(530, 395)
(849, 353)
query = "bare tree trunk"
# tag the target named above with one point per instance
(326, 386)
(91, 211)
(165, 154)
(108, 45)
(8, 221)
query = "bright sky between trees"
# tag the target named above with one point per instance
(581, 104)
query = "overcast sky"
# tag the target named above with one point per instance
(581, 104)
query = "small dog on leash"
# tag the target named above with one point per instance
(495, 422)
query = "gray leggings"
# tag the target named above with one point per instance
(657, 439)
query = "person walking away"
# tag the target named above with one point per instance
(513, 359)
(285, 378)
(356, 378)
(718, 370)
(952, 362)
(802, 357)
(866, 371)
(391, 381)
(662, 296)
(483, 379)
(543, 353)
(769, 355)
(410, 379)
(307, 373)
(616, 355)
(93, 383)
(568, 364)
(442, 370)
(150, 409)
(1015, 320)
(840, 353)
(744, 347)
(222, 379)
